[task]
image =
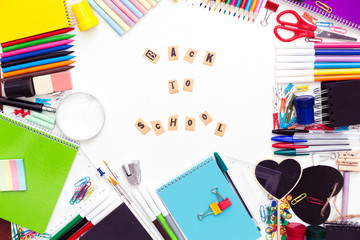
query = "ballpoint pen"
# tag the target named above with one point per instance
(39, 107)
(299, 152)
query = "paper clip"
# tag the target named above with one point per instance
(324, 24)
(315, 40)
(82, 181)
(262, 213)
(323, 6)
(270, 7)
(309, 17)
(302, 89)
(315, 201)
(298, 199)
(338, 29)
(88, 193)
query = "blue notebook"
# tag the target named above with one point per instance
(190, 194)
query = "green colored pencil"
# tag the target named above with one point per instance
(37, 42)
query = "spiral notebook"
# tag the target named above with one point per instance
(342, 11)
(24, 18)
(348, 231)
(47, 161)
(337, 103)
(190, 194)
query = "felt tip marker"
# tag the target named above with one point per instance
(295, 146)
(296, 139)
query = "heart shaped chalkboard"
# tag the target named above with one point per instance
(278, 179)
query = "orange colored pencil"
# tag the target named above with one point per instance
(37, 68)
(252, 9)
(336, 77)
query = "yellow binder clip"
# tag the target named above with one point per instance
(214, 209)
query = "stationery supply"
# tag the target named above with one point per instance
(315, 233)
(39, 107)
(47, 161)
(12, 175)
(85, 17)
(295, 231)
(196, 184)
(344, 11)
(271, 7)
(342, 230)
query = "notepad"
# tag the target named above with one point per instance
(12, 175)
(189, 194)
(47, 161)
(24, 18)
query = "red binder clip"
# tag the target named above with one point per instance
(216, 208)
(270, 7)
(224, 203)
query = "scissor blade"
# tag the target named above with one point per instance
(326, 34)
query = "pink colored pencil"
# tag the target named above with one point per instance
(257, 9)
(140, 7)
(35, 48)
(125, 10)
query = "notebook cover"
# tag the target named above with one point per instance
(120, 224)
(190, 194)
(343, 11)
(5, 230)
(47, 161)
(344, 95)
(338, 231)
(24, 18)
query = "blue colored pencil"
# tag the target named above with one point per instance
(35, 53)
(132, 8)
(106, 17)
(37, 63)
(247, 8)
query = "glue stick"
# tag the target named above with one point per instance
(295, 231)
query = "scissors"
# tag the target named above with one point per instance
(303, 29)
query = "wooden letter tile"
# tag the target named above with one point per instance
(142, 126)
(173, 53)
(151, 56)
(190, 55)
(173, 123)
(173, 86)
(220, 129)
(188, 85)
(158, 127)
(205, 118)
(190, 124)
(209, 58)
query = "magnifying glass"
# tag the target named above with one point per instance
(80, 116)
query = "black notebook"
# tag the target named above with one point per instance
(338, 103)
(120, 224)
(345, 231)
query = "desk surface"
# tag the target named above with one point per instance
(237, 90)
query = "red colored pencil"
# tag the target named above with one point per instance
(35, 37)
(83, 230)
(242, 7)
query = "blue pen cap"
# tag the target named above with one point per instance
(304, 106)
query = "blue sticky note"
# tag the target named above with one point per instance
(190, 194)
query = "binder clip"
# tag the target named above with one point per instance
(271, 7)
(132, 171)
(216, 208)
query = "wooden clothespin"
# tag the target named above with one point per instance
(348, 161)
(309, 17)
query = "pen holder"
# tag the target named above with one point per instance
(304, 106)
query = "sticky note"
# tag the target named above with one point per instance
(190, 124)
(173, 53)
(151, 56)
(43, 85)
(173, 86)
(173, 123)
(12, 175)
(142, 126)
(220, 129)
(205, 118)
(190, 55)
(188, 85)
(209, 58)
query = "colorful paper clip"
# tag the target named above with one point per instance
(262, 213)
(271, 7)
(315, 201)
(215, 208)
(298, 199)
(323, 6)
(309, 17)
(338, 29)
(315, 40)
(324, 24)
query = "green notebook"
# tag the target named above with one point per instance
(47, 160)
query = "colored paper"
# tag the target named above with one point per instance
(12, 175)
(190, 194)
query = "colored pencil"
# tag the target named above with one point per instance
(37, 42)
(247, 8)
(125, 10)
(222, 4)
(206, 3)
(292, 66)
(212, 3)
(35, 37)
(304, 59)
(37, 63)
(252, 9)
(232, 6)
(217, 4)
(316, 52)
(145, 4)
(36, 58)
(242, 7)
(227, 4)
(309, 79)
(118, 12)
(237, 6)
(257, 10)
(39, 73)
(317, 72)
(35, 53)
(36, 48)
(132, 8)
(38, 68)
(113, 15)
(152, 2)
(311, 45)
(106, 17)
(138, 5)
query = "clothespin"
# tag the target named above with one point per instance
(44, 101)
(348, 161)
(309, 17)
(302, 89)
(21, 112)
(289, 108)
(288, 88)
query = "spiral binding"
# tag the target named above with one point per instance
(320, 12)
(322, 115)
(40, 131)
(185, 174)
(343, 226)
(69, 16)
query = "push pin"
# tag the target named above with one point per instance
(21, 112)
(215, 208)
(271, 7)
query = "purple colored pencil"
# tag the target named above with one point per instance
(118, 12)
(345, 195)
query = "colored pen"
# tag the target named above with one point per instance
(169, 219)
(237, 6)
(36, 58)
(310, 79)
(232, 6)
(35, 48)
(227, 4)
(118, 12)
(35, 53)
(106, 17)
(138, 5)
(257, 10)
(315, 51)
(113, 15)
(38, 73)
(311, 59)
(37, 68)
(292, 66)
(252, 9)
(37, 42)
(289, 132)
(222, 4)
(312, 45)
(37, 63)
(294, 139)
(217, 4)
(212, 2)
(221, 164)
(242, 7)
(316, 72)
(35, 37)
(127, 11)
(38, 107)
(294, 146)
(247, 8)
(299, 152)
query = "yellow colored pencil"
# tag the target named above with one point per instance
(113, 15)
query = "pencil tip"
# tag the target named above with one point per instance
(200, 4)
(244, 18)
(253, 20)
(209, 8)
(234, 14)
(224, 11)
(229, 13)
